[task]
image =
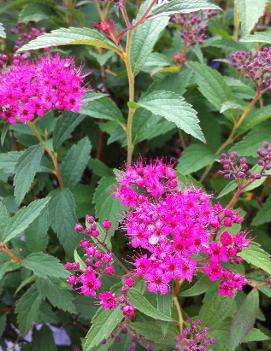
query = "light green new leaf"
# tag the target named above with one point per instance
(264, 214)
(144, 38)
(70, 36)
(27, 166)
(27, 309)
(63, 218)
(249, 12)
(23, 218)
(257, 256)
(244, 320)
(44, 265)
(195, 157)
(65, 125)
(58, 295)
(174, 108)
(2, 31)
(211, 84)
(141, 303)
(75, 162)
(103, 324)
(168, 8)
(97, 105)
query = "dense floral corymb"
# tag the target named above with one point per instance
(31, 89)
(177, 233)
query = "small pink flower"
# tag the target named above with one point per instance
(108, 300)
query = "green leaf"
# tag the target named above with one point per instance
(63, 218)
(27, 166)
(253, 140)
(34, 13)
(4, 219)
(106, 207)
(71, 36)
(249, 12)
(200, 287)
(75, 162)
(231, 186)
(258, 37)
(36, 237)
(65, 125)
(98, 106)
(195, 157)
(264, 214)
(9, 160)
(141, 303)
(173, 108)
(215, 309)
(257, 256)
(244, 320)
(230, 105)
(148, 126)
(144, 38)
(99, 168)
(27, 309)
(44, 265)
(43, 340)
(211, 85)
(23, 218)
(151, 330)
(103, 324)
(168, 8)
(2, 31)
(256, 335)
(57, 294)
(254, 118)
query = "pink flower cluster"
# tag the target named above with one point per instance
(256, 66)
(98, 263)
(29, 89)
(171, 229)
(194, 27)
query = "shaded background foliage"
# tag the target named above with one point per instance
(38, 309)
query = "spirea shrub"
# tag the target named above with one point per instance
(135, 168)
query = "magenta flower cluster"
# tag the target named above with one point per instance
(31, 89)
(235, 168)
(193, 27)
(98, 263)
(171, 229)
(194, 338)
(255, 65)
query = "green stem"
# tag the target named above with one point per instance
(131, 80)
(51, 154)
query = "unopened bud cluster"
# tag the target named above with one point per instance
(194, 27)
(99, 262)
(235, 168)
(26, 32)
(255, 65)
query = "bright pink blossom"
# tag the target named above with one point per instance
(108, 300)
(32, 89)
